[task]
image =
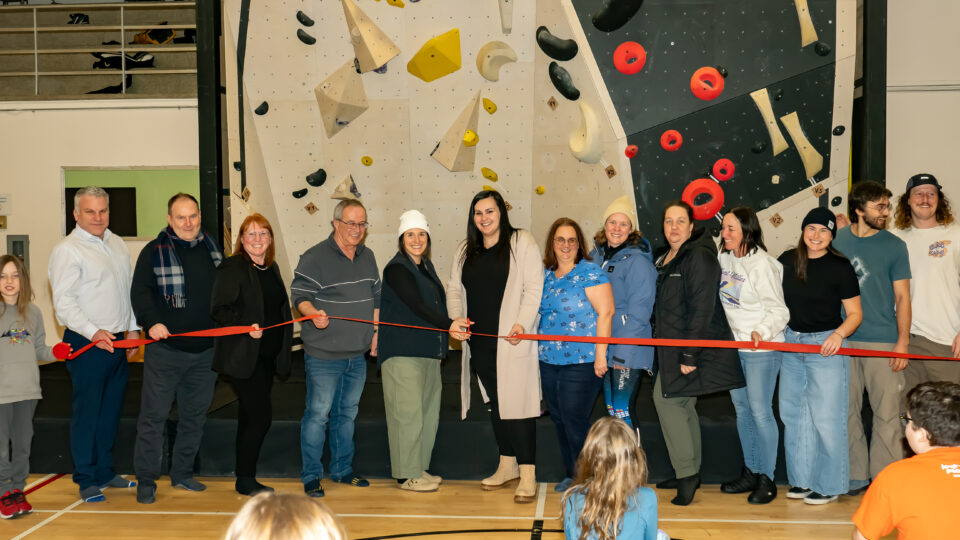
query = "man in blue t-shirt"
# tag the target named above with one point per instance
(883, 270)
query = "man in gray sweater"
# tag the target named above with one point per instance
(337, 277)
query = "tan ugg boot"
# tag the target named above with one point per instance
(527, 488)
(507, 472)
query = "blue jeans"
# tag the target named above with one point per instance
(759, 434)
(814, 396)
(333, 393)
(570, 391)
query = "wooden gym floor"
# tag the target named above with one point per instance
(384, 511)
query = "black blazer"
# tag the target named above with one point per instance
(237, 300)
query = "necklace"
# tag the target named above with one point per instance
(258, 267)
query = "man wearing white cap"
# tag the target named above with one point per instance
(923, 220)
(410, 358)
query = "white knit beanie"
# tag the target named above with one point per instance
(412, 219)
(622, 205)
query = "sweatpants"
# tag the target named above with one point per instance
(16, 433)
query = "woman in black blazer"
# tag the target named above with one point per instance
(248, 290)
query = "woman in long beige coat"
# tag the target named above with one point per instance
(496, 282)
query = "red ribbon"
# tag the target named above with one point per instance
(658, 342)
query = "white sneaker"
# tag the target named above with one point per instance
(432, 478)
(420, 485)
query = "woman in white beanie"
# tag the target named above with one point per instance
(410, 358)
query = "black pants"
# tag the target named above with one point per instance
(255, 416)
(514, 437)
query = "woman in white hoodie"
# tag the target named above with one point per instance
(751, 293)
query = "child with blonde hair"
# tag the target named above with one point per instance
(22, 347)
(285, 516)
(608, 499)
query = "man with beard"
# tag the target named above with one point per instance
(923, 220)
(883, 270)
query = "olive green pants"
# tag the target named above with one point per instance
(681, 430)
(411, 397)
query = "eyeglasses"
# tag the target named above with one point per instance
(561, 241)
(355, 225)
(257, 234)
(881, 207)
(904, 419)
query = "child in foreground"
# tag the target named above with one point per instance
(285, 516)
(608, 499)
(22, 347)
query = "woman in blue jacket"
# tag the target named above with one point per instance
(622, 251)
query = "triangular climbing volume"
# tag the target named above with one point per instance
(451, 152)
(371, 46)
(341, 98)
(346, 190)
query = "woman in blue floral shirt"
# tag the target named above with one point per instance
(577, 301)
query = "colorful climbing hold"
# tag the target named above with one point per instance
(563, 82)
(366, 160)
(470, 138)
(437, 57)
(555, 47)
(671, 140)
(488, 188)
(723, 169)
(488, 174)
(629, 57)
(540, 190)
(489, 106)
(630, 151)
(703, 186)
(395, 3)
(706, 83)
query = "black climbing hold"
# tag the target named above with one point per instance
(778, 95)
(304, 20)
(758, 147)
(822, 48)
(764, 204)
(615, 14)
(555, 47)
(236, 165)
(723, 71)
(262, 109)
(381, 70)
(836, 201)
(839, 130)
(299, 194)
(305, 37)
(563, 82)
(317, 179)
(356, 65)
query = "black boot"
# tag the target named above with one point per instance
(746, 482)
(686, 488)
(765, 491)
(669, 483)
(248, 485)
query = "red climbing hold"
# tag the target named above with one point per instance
(671, 140)
(702, 186)
(706, 83)
(630, 151)
(629, 57)
(723, 169)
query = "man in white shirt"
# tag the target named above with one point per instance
(90, 275)
(923, 220)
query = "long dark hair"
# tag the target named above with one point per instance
(26, 292)
(475, 237)
(801, 258)
(550, 256)
(750, 226)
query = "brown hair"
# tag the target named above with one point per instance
(179, 196)
(801, 257)
(290, 516)
(550, 257)
(903, 219)
(238, 248)
(935, 407)
(611, 467)
(426, 252)
(26, 292)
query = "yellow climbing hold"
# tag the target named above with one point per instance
(438, 57)
(395, 3)
(490, 106)
(366, 160)
(488, 174)
(470, 138)
(540, 190)
(488, 188)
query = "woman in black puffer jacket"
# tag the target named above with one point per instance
(687, 307)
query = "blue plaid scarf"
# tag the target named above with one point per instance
(169, 271)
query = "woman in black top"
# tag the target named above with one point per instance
(688, 307)
(248, 290)
(410, 358)
(817, 282)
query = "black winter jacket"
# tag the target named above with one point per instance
(688, 307)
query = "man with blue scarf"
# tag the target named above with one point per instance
(171, 295)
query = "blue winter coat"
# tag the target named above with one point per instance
(634, 281)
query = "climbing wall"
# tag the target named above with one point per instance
(422, 104)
